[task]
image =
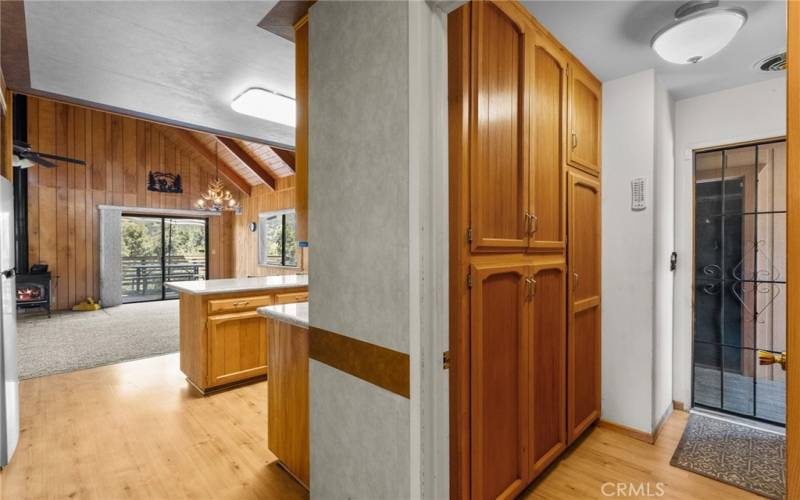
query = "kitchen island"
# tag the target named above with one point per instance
(223, 340)
(287, 388)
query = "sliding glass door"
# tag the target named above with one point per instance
(156, 250)
(740, 279)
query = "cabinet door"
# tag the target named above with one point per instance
(583, 338)
(499, 316)
(584, 120)
(237, 347)
(498, 160)
(548, 130)
(548, 414)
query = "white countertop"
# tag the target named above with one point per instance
(233, 285)
(294, 314)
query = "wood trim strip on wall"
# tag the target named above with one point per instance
(372, 363)
(793, 252)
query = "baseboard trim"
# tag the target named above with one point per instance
(628, 431)
(661, 422)
(678, 405)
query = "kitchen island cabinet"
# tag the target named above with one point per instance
(287, 398)
(223, 340)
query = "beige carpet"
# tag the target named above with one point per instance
(72, 341)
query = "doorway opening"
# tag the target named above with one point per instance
(740, 280)
(158, 250)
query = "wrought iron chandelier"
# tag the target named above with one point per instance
(217, 198)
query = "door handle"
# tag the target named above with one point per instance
(527, 223)
(530, 282)
(769, 358)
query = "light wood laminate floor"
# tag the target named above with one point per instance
(135, 430)
(606, 456)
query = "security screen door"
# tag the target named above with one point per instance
(740, 279)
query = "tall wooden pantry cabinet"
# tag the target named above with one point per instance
(524, 121)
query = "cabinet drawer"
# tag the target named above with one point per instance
(239, 304)
(289, 298)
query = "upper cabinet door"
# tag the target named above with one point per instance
(499, 346)
(583, 338)
(548, 130)
(585, 106)
(498, 127)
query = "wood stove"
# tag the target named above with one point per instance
(34, 291)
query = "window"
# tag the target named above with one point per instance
(277, 238)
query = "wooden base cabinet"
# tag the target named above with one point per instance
(223, 340)
(287, 410)
(584, 303)
(518, 350)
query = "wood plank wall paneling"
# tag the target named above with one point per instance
(262, 199)
(120, 152)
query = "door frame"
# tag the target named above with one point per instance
(722, 148)
(793, 250)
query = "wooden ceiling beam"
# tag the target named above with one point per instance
(283, 16)
(248, 161)
(285, 155)
(188, 139)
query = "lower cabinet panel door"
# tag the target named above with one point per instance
(237, 346)
(584, 386)
(499, 374)
(548, 368)
(583, 335)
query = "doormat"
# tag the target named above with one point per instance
(742, 456)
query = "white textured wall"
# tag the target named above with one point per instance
(628, 250)
(359, 234)
(663, 196)
(746, 113)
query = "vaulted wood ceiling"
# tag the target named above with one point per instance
(244, 164)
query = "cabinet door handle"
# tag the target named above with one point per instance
(530, 283)
(534, 223)
(527, 222)
(575, 281)
(574, 140)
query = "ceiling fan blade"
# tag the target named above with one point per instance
(59, 158)
(41, 161)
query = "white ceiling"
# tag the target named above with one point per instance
(613, 39)
(184, 61)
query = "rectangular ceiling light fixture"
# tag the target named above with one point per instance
(266, 105)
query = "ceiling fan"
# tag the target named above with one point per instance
(25, 158)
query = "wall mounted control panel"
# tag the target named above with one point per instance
(638, 194)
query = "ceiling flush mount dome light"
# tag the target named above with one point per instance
(267, 105)
(700, 30)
